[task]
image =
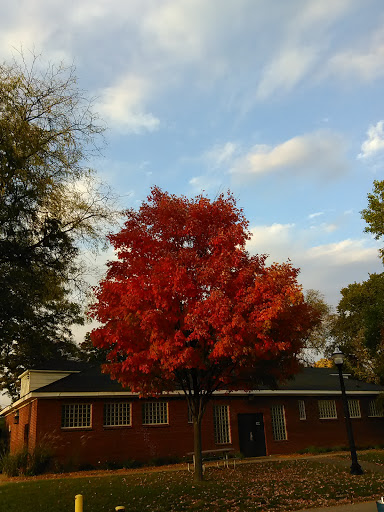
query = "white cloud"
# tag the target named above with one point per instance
(254, 50)
(330, 228)
(343, 252)
(271, 239)
(220, 154)
(327, 267)
(285, 71)
(320, 153)
(314, 215)
(216, 160)
(301, 45)
(364, 61)
(374, 142)
(122, 105)
(174, 28)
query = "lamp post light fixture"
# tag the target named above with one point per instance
(338, 359)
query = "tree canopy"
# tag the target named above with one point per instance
(185, 306)
(51, 204)
(359, 327)
(374, 213)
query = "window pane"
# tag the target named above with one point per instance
(155, 413)
(279, 429)
(117, 414)
(375, 409)
(302, 412)
(327, 409)
(221, 424)
(76, 415)
(354, 408)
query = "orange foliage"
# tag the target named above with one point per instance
(185, 305)
(324, 363)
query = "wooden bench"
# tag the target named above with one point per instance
(220, 454)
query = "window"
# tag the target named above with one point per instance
(117, 414)
(302, 413)
(221, 424)
(375, 409)
(279, 429)
(354, 408)
(76, 415)
(155, 413)
(327, 409)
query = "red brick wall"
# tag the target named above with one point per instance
(18, 435)
(140, 442)
(100, 444)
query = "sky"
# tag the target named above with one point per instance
(280, 102)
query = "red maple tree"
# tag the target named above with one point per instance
(185, 305)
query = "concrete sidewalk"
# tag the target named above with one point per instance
(366, 506)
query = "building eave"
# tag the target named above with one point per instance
(33, 395)
(18, 404)
(47, 371)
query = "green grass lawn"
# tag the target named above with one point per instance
(373, 456)
(269, 486)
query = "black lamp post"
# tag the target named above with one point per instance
(356, 469)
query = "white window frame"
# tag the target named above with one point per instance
(75, 416)
(117, 414)
(222, 424)
(155, 413)
(279, 425)
(327, 409)
(375, 410)
(302, 411)
(354, 408)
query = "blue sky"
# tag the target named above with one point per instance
(279, 101)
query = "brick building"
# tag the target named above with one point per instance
(89, 419)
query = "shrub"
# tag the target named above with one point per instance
(163, 461)
(85, 467)
(14, 464)
(112, 465)
(131, 464)
(27, 463)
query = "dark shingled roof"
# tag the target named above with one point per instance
(90, 379)
(327, 379)
(309, 379)
(62, 365)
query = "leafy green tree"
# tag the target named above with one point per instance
(374, 213)
(359, 328)
(91, 354)
(51, 206)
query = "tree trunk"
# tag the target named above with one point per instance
(198, 477)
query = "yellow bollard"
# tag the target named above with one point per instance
(79, 503)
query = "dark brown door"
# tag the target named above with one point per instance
(251, 434)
